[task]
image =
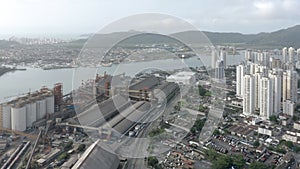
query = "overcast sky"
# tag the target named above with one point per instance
(89, 16)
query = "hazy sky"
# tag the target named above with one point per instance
(88, 16)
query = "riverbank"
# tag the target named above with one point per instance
(4, 70)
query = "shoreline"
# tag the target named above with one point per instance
(4, 70)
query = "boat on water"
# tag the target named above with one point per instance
(106, 64)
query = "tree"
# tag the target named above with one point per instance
(273, 118)
(64, 155)
(199, 124)
(289, 144)
(295, 118)
(238, 161)
(216, 132)
(256, 144)
(156, 132)
(153, 162)
(68, 145)
(223, 161)
(231, 93)
(258, 165)
(202, 91)
(81, 147)
(193, 130)
(296, 149)
(203, 108)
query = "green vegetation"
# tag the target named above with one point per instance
(64, 155)
(296, 118)
(256, 144)
(178, 106)
(203, 92)
(273, 118)
(68, 145)
(203, 108)
(220, 161)
(255, 133)
(226, 131)
(153, 162)
(231, 93)
(156, 132)
(290, 145)
(198, 125)
(216, 132)
(277, 149)
(258, 165)
(81, 147)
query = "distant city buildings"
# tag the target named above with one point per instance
(214, 59)
(268, 85)
(219, 62)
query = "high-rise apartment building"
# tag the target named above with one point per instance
(240, 72)
(249, 95)
(266, 97)
(289, 85)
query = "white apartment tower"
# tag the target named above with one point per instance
(289, 85)
(288, 107)
(249, 96)
(276, 88)
(240, 72)
(266, 98)
(257, 77)
(248, 56)
(291, 54)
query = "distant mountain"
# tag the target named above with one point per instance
(284, 37)
(6, 44)
(277, 39)
(281, 38)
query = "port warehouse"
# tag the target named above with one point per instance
(112, 112)
(22, 112)
(97, 157)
